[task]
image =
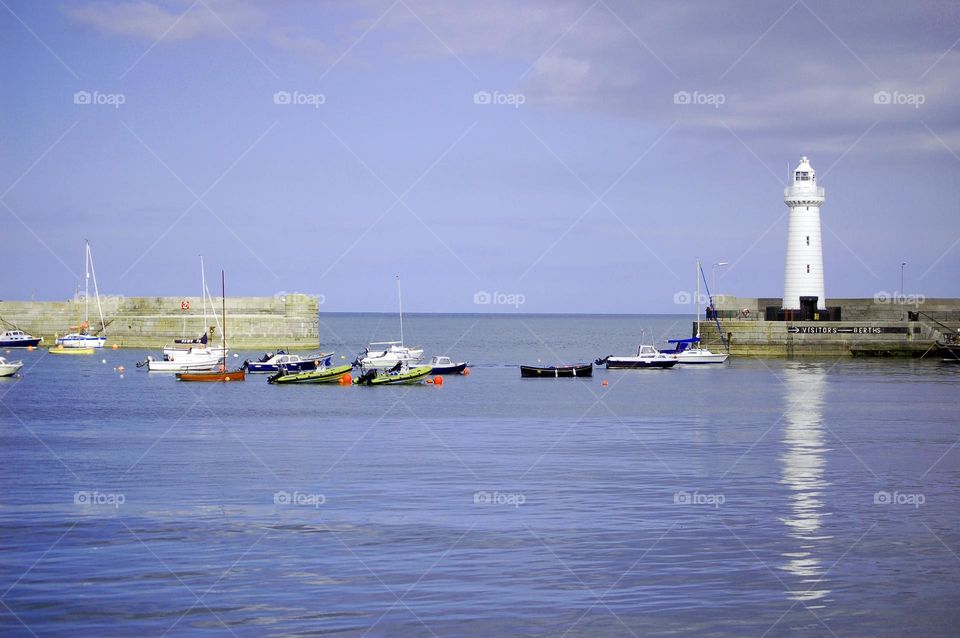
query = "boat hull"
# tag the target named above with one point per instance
(414, 375)
(182, 366)
(10, 369)
(212, 377)
(537, 372)
(632, 363)
(322, 375)
(949, 351)
(304, 365)
(81, 341)
(456, 368)
(21, 343)
(63, 350)
(695, 358)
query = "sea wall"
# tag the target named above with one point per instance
(869, 327)
(289, 321)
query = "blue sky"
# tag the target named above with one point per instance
(588, 188)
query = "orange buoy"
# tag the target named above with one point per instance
(120, 369)
(30, 348)
(345, 379)
(438, 380)
(466, 372)
(605, 383)
(115, 346)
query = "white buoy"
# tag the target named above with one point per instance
(803, 276)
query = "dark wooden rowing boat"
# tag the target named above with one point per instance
(577, 370)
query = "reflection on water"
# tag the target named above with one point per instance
(803, 469)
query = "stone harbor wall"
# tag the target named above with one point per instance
(288, 321)
(869, 327)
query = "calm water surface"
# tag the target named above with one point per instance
(763, 497)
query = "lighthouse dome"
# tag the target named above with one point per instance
(804, 172)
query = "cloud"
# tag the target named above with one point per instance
(151, 21)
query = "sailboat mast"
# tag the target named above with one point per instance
(400, 301)
(223, 335)
(86, 283)
(203, 294)
(698, 297)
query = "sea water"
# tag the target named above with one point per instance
(770, 497)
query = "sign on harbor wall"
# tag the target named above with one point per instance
(854, 330)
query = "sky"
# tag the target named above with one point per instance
(499, 156)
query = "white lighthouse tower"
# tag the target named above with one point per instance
(804, 271)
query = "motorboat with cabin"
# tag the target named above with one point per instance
(18, 339)
(647, 357)
(290, 363)
(444, 365)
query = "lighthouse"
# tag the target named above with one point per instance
(803, 276)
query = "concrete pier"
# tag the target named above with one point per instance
(288, 321)
(870, 327)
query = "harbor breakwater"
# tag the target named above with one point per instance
(283, 321)
(869, 327)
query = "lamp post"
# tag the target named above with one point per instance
(714, 275)
(902, 295)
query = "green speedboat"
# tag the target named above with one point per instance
(320, 375)
(382, 377)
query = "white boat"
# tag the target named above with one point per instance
(192, 360)
(689, 351)
(82, 338)
(384, 358)
(646, 357)
(18, 339)
(183, 345)
(383, 355)
(695, 355)
(175, 350)
(9, 368)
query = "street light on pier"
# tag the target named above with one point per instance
(713, 269)
(903, 264)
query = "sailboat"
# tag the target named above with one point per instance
(689, 351)
(221, 375)
(384, 355)
(81, 338)
(182, 346)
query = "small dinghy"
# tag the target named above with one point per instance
(576, 370)
(443, 365)
(9, 368)
(320, 375)
(65, 350)
(398, 374)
